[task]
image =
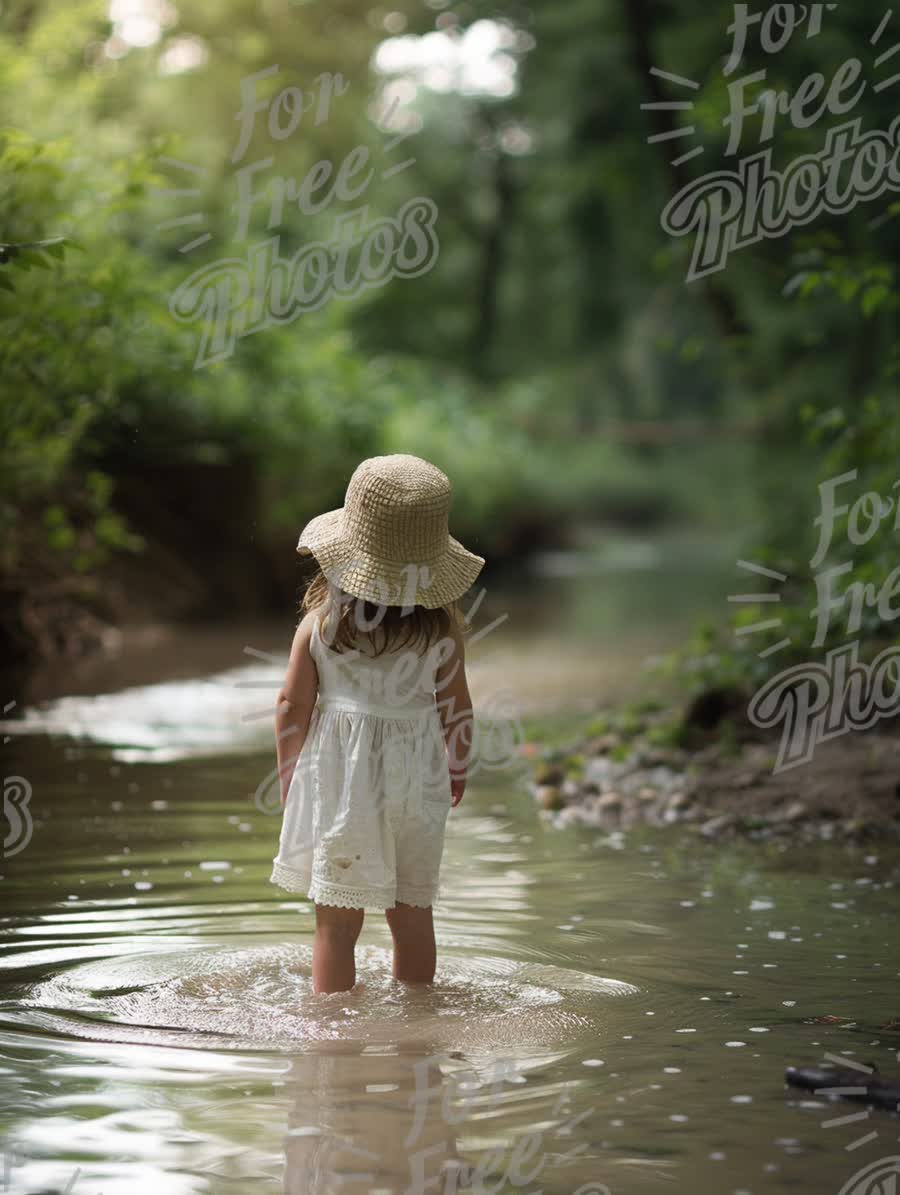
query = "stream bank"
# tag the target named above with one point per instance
(644, 765)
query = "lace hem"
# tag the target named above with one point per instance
(338, 895)
(287, 877)
(349, 898)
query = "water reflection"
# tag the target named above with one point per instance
(404, 1118)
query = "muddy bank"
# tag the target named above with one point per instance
(621, 772)
(198, 554)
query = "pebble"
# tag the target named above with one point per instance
(548, 796)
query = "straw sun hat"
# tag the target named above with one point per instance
(389, 543)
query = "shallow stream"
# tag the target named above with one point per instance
(610, 1013)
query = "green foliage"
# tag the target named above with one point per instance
(99, 380)
(554, 362)
(67, 315)
(855, 437)
(667, 734)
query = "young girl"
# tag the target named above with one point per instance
(374, 719)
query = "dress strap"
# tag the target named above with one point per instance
(315, 636)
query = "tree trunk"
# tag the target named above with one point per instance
(640, 28)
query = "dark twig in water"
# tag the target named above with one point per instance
(863, 1085)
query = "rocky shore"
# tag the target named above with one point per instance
(624, 777)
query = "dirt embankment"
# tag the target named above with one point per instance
(622, 772)
(203, 557)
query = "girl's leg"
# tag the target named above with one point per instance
(415, 952)
(334, 964)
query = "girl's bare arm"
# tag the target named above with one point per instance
(295, 704)
(455, 708)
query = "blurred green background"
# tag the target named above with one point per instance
(554, 360)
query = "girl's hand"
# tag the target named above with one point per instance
(457, 788)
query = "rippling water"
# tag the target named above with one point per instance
(607, 1014)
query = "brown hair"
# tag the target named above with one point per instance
(391, 626)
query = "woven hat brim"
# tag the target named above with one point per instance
(430, 584)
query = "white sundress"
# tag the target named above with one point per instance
(364, 819)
